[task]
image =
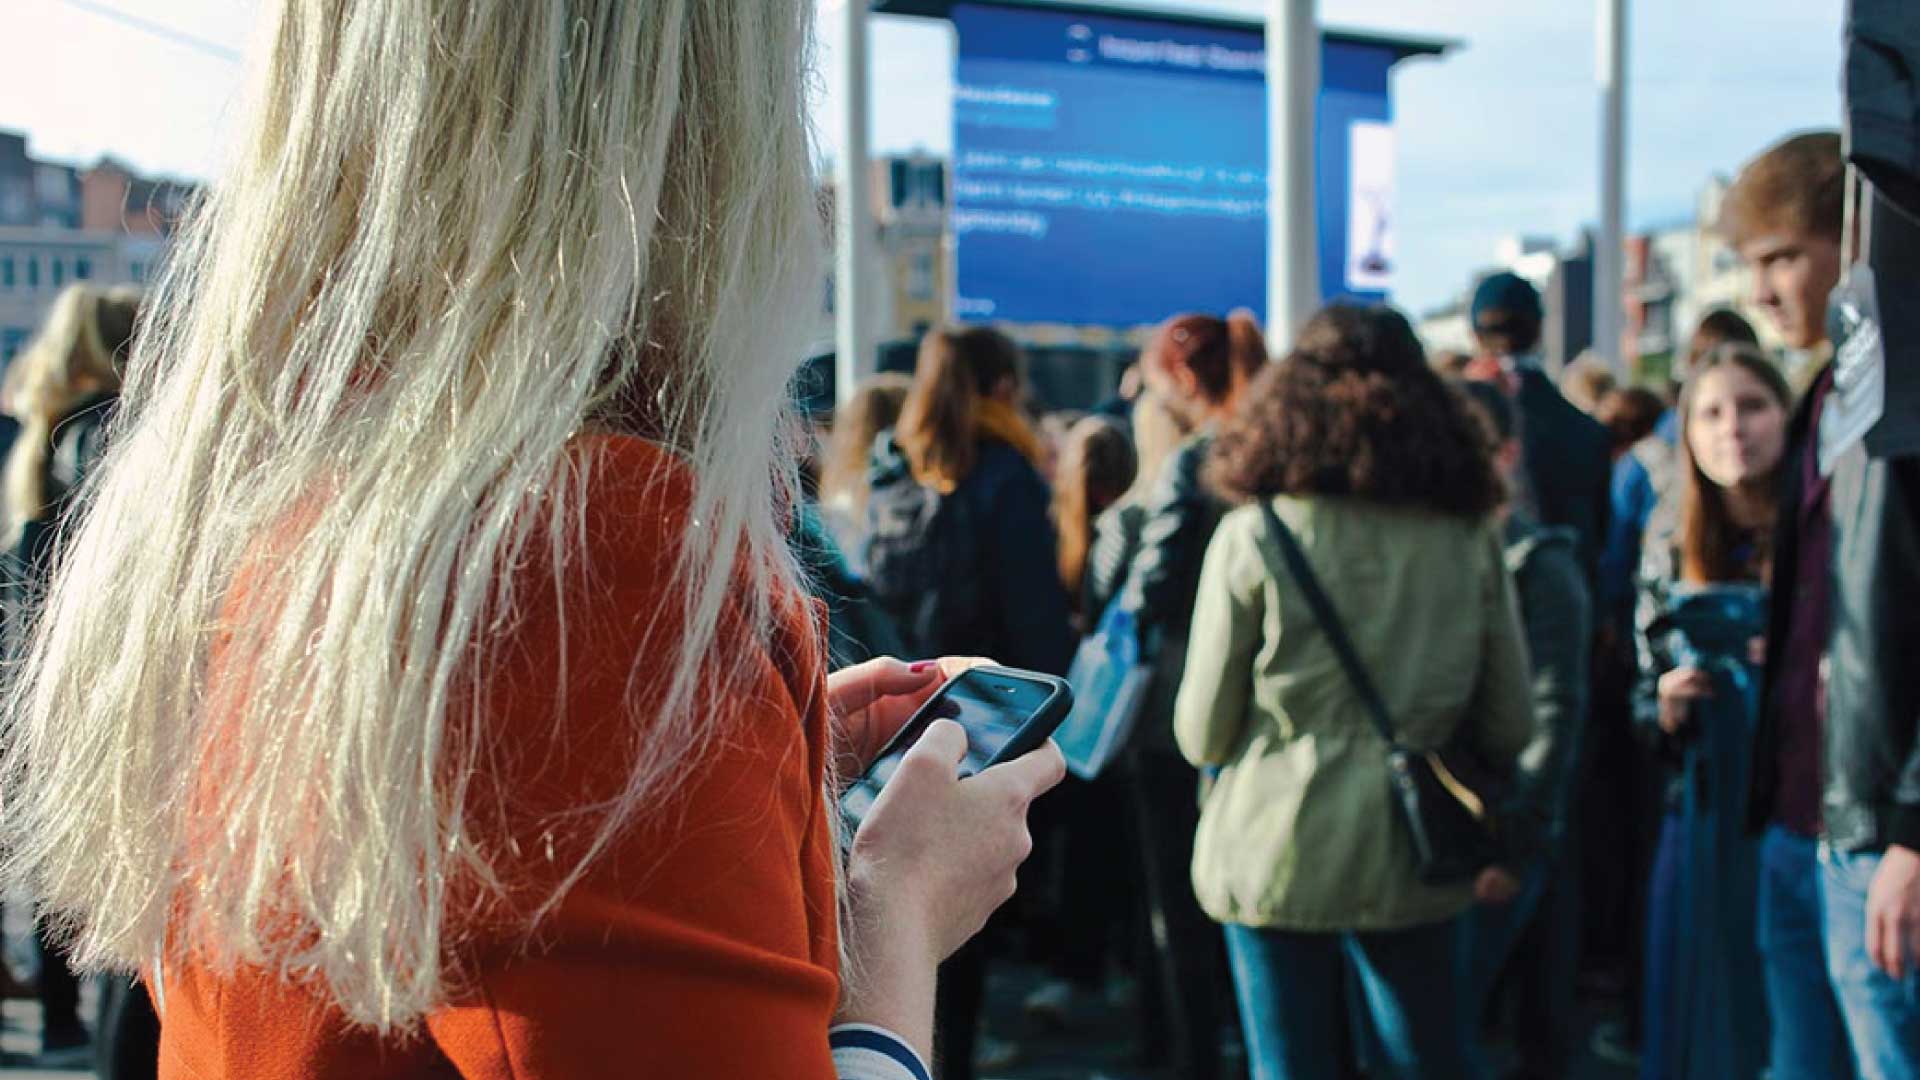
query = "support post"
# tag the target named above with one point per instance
(1293, 91)
(1609, 251)
(853, 209)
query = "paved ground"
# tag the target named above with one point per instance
(1100, 1041)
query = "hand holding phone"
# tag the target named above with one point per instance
(942, 847)
(1004, 712)
(935, 857)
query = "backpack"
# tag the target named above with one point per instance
(923, 558)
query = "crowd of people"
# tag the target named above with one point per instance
(433, 648)
(1569, 580)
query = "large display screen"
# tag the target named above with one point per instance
(1113, 171)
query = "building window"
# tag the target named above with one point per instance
(12, 340)
(6, 271)
(59, 268)
(33, 272)
(901, 177)
(138, 271)
(82, 269)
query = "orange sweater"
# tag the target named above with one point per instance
(702, 944)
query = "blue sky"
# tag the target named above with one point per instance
(1498, 138)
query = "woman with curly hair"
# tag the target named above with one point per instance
(1388, 482)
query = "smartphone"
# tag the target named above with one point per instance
(1006, 713)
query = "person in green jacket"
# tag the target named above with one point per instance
(1389, 483)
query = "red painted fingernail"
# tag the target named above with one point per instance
(924, 665)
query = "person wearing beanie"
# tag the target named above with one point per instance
(1567, 460)
(1563, 481)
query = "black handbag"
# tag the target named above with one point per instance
(1446, 801)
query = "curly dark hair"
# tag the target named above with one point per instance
(1355, 411)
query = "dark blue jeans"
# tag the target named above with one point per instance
(1413, 984)
(1659, 1031)
(1882, 1013)
(1809, 1040)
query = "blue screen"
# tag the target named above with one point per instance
(1113, 172)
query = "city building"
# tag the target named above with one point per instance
(61, 224)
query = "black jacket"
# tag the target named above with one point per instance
(1174, 533)
(1883, 96)
(1557, 612)
(1020, 615)
(1569, 464)
(1870, 795)
(1160, 584)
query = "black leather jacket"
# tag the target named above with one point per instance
(1870, 795)
(1175, 528)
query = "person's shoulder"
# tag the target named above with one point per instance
(998, 467)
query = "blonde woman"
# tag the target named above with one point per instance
(427, 689)
(1157, 433)
(874, 408)
(61, 389)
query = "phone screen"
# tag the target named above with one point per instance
(991, 707)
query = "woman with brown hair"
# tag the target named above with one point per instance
(1354, 445)
(1096, 468)
(958, 542)
(1712, 537)
(960, 550)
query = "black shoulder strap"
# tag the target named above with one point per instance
(1330, 623)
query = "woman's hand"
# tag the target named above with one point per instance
(870, 701)
(934, 858)
(1496, 886)
(1678, 690)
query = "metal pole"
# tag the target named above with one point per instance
(853, 209)
(1608, 279)
(1293, 90)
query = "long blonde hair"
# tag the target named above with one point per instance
(78, 354)
(1157, 433)
(454, 235)
(874, 408)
